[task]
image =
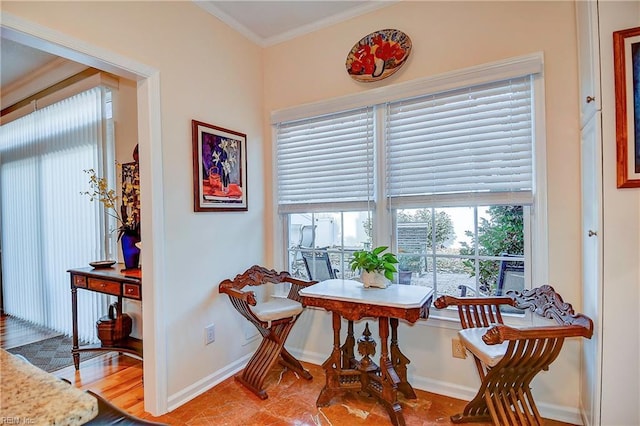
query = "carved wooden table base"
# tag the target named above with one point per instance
(344, 372)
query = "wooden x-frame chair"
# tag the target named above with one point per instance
(509, 358)
(273, 319)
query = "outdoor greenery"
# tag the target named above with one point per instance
(425, 220)
(375, 261)
(443, 224)
(501, 233)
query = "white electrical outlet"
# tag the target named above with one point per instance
(457, 350)
(209, 334)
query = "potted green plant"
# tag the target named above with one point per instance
(376, 269)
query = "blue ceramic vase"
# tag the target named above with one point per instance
(130, 252)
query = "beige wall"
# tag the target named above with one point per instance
(448, 36)
(210, 73)
(621, 246)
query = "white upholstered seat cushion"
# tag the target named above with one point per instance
(276, 309)
(489, 354)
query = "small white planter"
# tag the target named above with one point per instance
(374, 279)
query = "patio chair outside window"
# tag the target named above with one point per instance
(510, 277)
(318, 266)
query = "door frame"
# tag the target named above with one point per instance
(151, 179)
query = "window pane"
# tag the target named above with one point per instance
(321, 244)
(452, 278)
(453, 227)
(462, 251)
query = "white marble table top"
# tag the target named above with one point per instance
(396, 295)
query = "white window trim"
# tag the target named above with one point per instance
(479, 74)
(511, 67)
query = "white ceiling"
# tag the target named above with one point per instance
(18, 60)
(264, 22)
(270, 22)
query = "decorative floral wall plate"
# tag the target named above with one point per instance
(378, 55)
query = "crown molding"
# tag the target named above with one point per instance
(327, 22)
(302, 30)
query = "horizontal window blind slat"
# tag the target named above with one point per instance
(326, 159)
(352, 130)
(319, 179)
(461, 200)
(337, 151)
(442, 107)
(313, 207)
(472, 119)
(338, 156)
(441, 157)
(518, 140)
(474, 140)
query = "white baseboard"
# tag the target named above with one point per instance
(548, 411)
(203, 385)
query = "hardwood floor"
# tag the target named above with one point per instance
(291, 400)
(16, 332)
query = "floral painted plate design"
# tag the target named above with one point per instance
(378, 55)
(102, 264)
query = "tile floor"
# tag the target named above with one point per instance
(292, 402)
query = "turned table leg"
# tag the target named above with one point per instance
(348, 356)
(74, 321)
(390, 379)
(399, 362)
(332, 367)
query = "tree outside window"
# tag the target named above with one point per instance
(502, 233)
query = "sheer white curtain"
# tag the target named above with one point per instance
(47, 225)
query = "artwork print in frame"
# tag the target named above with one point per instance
(219, 168)
(626, 58)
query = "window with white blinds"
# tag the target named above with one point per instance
(473, 143)
(326, 160)
(463, 148)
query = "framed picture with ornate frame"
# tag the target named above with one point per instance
(626, 61)
(219, 168)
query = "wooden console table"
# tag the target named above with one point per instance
(349, 299)
(116, 282)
